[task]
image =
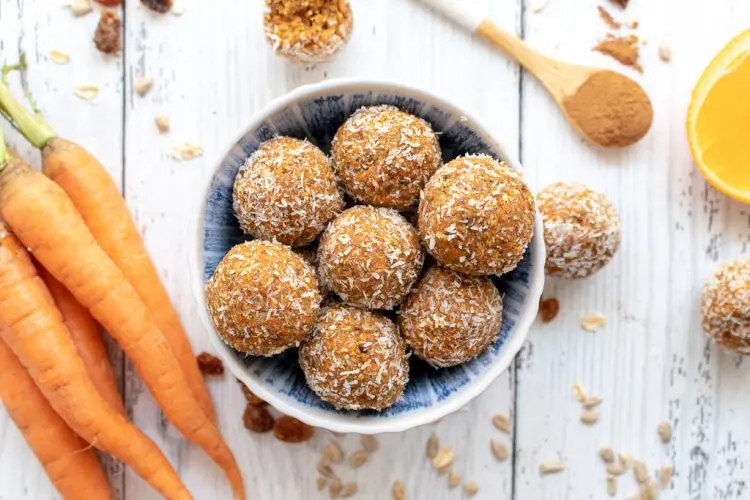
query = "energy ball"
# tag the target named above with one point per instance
(355, 359)
(308, 31)
(385, 156)
(725, 306)
(450, 318)
(581, 229)
(286, 192)
(263, 298)
(476, 216)
(371, 257)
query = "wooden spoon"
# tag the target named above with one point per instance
(605, 107)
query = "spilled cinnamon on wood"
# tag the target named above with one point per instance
(623, 48)
(610, 109)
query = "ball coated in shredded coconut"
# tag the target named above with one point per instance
(476, 216)
(450, 318)
(262, 298)
(581, 229)
(725, 306)
(308, 31)
(371, 257)
(355, 359)
(286, 191)
(385, 156)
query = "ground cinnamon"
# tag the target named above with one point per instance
(610, 109)
(608, 19)
(623, 48)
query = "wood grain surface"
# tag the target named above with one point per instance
(650, 363)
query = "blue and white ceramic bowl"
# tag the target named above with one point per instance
(315, 112)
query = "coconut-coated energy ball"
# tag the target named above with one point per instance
(476, 216)
(725, 306)
(581, 229)
(450, 318)
(371, 257)
(385, 156)
(355, 359)
(308, 31)
(263, 298)
(286, 192)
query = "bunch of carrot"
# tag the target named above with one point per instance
(91, 266)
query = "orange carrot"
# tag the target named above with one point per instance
(46, 221)
(88, 340)
(67, 459)
(32, 328)
(98, 200)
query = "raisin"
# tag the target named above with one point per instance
(210, 364)
(160, 6)
(548, 309)
(290, 430)
(258, 419)
(252, 399)
(107, 35)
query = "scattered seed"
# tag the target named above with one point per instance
(334, 490)
(640, 472)
(501, 423)
(358, 458)
(548, 309)
(578, 392)
(592, 402)
(626, 460)
(615, 469)
(399, 491)
(454, 479)
(551, 467)
(186, 151)
(143, 85)
(433, 445)
(648, 491)
(611, 486)
(333, 452)
(80, 7)
(369, 443)
(59, 57)
(665, 53)
(589, 417)
(607, 454)
(322, 483)
(87, 92)
(665, 432)
(444, 458)
(593, 321)
(499, 450)
(325, 470)
(162, 123)
(540, 6)
(665, 475)
(471, 488)
(348, 490)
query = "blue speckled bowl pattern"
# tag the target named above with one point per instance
(317, 119)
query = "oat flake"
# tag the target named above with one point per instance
(665, 432)
(471, 488)
(593, 321)
(59, 57)
(454, 479)
(87, 92)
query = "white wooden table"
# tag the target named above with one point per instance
(213, 70)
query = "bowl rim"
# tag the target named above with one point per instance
(343, 423)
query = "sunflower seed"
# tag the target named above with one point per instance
(589, 417)
(626, 460)
(454, 479)
(665, 475)
(369, 443)
(59, 57)
(444, 458)
(471, 489)
(499, 450)
(143, 85)
(162, 123)
(358, 458)
(433, 445)
(399, 491)
(648, 491)
(615, 469)
(592, 402)
(333, 452)
(611, 485)
(665, 432)
(593, 321)
(322, 483)
(551, 467)
(335, 489)
(640, 472)
(325, 470)
(501, 423)
(348, 490)
(607, 454)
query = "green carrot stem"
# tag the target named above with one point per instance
(32, 126)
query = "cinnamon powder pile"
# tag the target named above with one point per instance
(610, 109)
(623, 48)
